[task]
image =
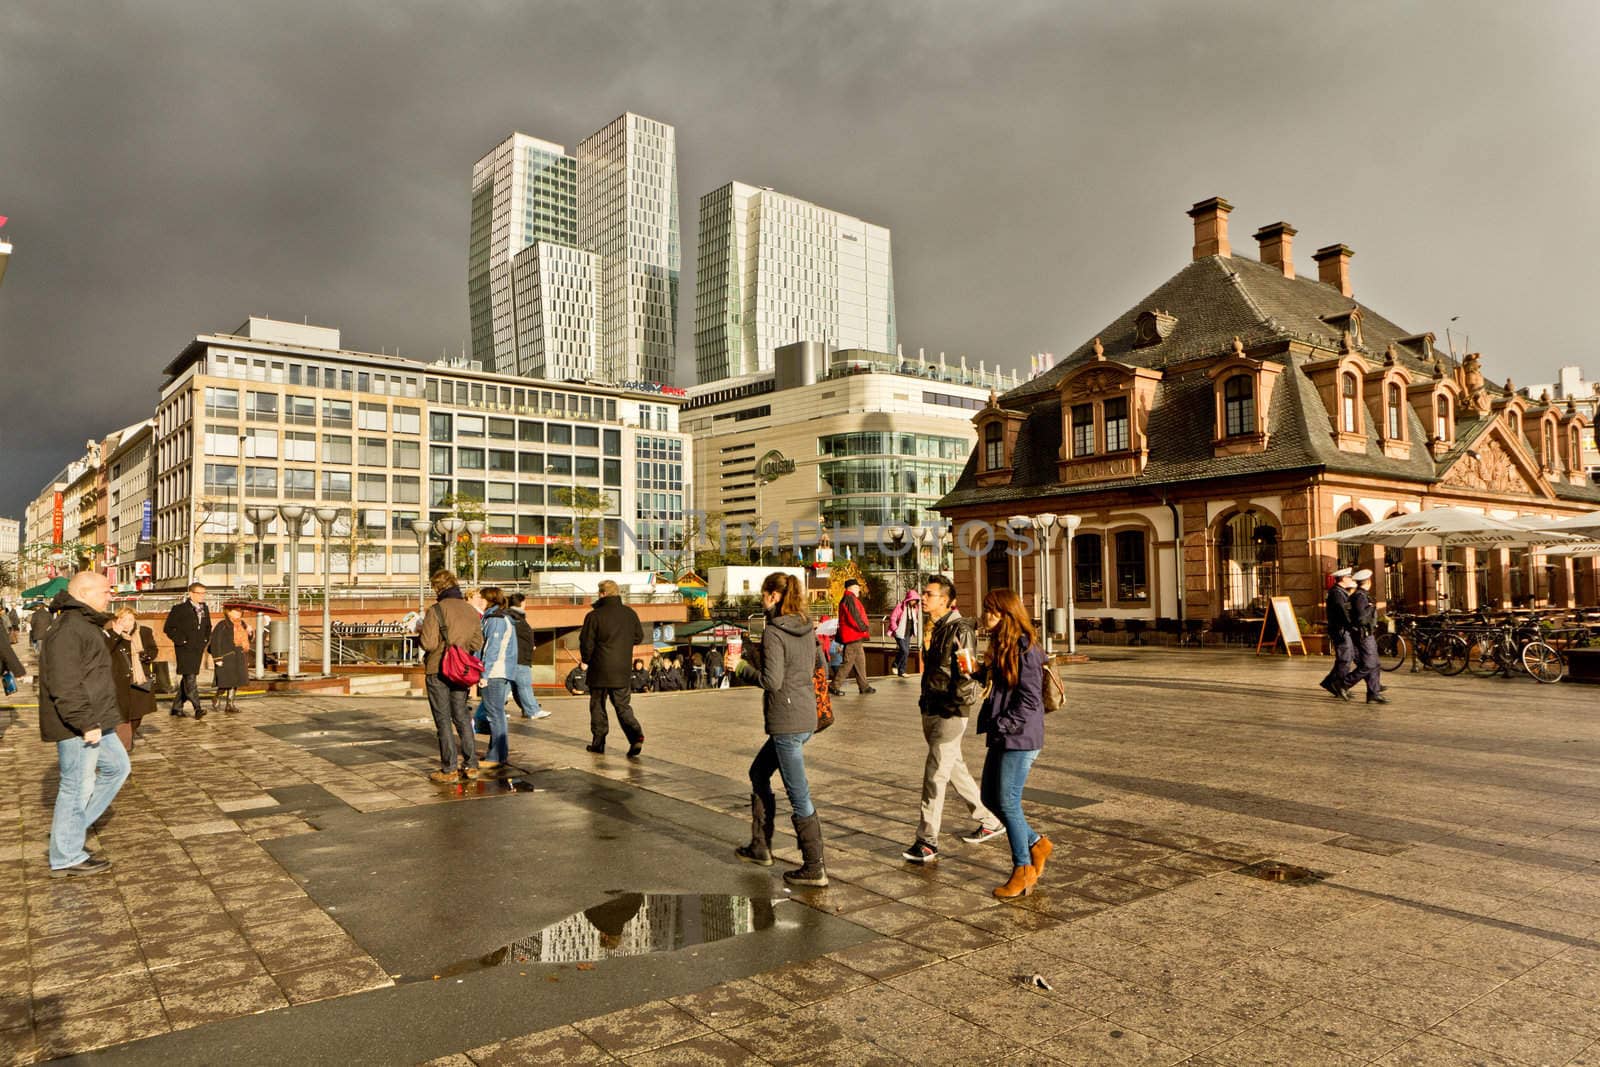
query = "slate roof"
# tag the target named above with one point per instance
(1216, 299)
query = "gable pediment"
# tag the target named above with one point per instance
(1497, 464)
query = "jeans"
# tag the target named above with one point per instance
(492, 710)
(902, 653)
(946, 764)
(783, 753)
(1005, 772)
(90, 778)
(452, 721)
(522, 690)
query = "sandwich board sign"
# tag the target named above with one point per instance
(1281, 625)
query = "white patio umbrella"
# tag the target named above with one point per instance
(1576, 548)
(1577, 525)
(1442, 528)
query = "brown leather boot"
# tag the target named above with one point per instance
(1038, 852)
(1020, 884)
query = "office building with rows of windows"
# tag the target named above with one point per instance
(278, 412)
(876, 438)
(774, 269)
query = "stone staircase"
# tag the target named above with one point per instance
(379, 685)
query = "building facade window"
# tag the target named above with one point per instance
(994, 448)
(1347, 403)
(1441, 419)
(1350, 555)
(1088, 564)
(1396, 413)
(1247, 562)
(1132, 586)
(1239, 405)
(1116, 410)
(1082, 430)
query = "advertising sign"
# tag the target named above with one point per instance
(56, 519)
(147, 520)
(523, 539)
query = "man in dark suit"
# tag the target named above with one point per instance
(188, 626)
(610, 633)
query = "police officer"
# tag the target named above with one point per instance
(1341, 634)
(1364, 617)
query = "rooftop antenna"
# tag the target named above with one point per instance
(1449, 340)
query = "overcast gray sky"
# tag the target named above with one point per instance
(170, 168)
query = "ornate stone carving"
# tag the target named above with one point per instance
(1095, 382)
(1488, 468)
(1152, 327)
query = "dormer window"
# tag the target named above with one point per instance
(1347, 403)
(994, 446)
(1082, 430)
(1239, 406)
(1441, 427)
(1574, 450)
(1117, 424)
(1395, 412)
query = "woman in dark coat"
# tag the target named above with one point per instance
(133, 656)
(230, 648)
(1012, 718)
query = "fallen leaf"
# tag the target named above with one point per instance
(585, 966)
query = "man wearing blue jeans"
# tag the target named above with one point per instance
(78, 711)
(522, 674)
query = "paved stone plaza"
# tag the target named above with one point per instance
(286, 880)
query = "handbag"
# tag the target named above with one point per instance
(819, 683)
(9, 682)
(1055, 694)
(458, 666)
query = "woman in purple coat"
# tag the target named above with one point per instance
(1012, 717)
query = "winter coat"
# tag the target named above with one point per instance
(526, 641)
(945, 692)
(451, 621)
(905, 621)
(853, 625)
(499, 645)
(232, 663)
(189, 628)
(611, 631)
(77, 686)
(1363, 613)
(790, 656)
(641, 680)
(1340, 619)
(1013, 716)
(38, 623)
(8, 657)
(134, 703)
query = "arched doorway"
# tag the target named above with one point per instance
(1247, 561)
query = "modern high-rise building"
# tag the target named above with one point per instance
(524, 192)
(555, 297)
(773, 270)
(628, 214)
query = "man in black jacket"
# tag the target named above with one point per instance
(38, 623)
(1341, 634)
(188, 626)
(78, 711)
(949, 696)
(610, 633)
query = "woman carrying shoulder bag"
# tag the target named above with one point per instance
(1012, 717)
(790, 656)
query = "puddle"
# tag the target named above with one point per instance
(632, 924)
(1283, 873)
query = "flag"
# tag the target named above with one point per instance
(3, 220)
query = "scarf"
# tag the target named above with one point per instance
(241, 635)
(136, 650)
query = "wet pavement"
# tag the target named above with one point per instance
(1246, 871)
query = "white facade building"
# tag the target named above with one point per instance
(773, 269)
(11, 544)
(555, 292)
(628, 214)
(130, 510)
(523, 192)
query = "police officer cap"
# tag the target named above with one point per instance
(1362, 575)
(1342, 572)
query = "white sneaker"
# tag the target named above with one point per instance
(540, 714)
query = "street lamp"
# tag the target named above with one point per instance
(450, 528)
(260, 517)
(1072, 522)
(326, 517)
(424, 531)
(1019, 525)
(475, 528)
(925, 538)
(294, 517)
(1046, 525)
(897, 537)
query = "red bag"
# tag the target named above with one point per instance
(458, 667)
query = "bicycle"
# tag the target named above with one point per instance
(1508, 647)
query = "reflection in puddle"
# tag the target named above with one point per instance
(633, 924)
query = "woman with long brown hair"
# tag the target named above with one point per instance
(1013, 719)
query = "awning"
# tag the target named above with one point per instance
(47, 590)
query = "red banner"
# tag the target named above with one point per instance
(56, 520)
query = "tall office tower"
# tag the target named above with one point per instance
(555, 293)
(524, 191)
(773, 269)
(628, 214)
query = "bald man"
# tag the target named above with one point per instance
(78, 711)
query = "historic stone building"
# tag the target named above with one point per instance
(1209, 434)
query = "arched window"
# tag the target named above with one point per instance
(1545, 440)
(1239, 405)
(1347, 409)
(1247, 561)
(1441, 419)
(1088, 564)
(1574, 451)
(1350, 555)
(994, 447)
(1396, 417)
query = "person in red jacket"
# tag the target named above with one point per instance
(853, 633)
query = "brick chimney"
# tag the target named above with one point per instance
(1277, 246)
(1333, 267)
(1211, 228)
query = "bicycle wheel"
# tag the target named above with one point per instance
(1392, 650)
(1543, 662)
(1481, 659)
(1450, 654)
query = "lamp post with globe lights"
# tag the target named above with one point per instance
(260, 517)
(475, 528)
(423, 530)
(327, 518)
(1071, 523)
(450, 528)
(1046, 525)
(294, 517)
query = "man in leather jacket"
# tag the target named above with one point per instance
(949, 697)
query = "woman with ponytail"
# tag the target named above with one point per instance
(790, 656)
(1012, 717)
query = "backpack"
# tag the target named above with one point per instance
(458, 666)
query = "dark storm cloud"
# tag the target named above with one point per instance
(172, 168)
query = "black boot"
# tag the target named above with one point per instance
(812, 873)
(759, 850)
